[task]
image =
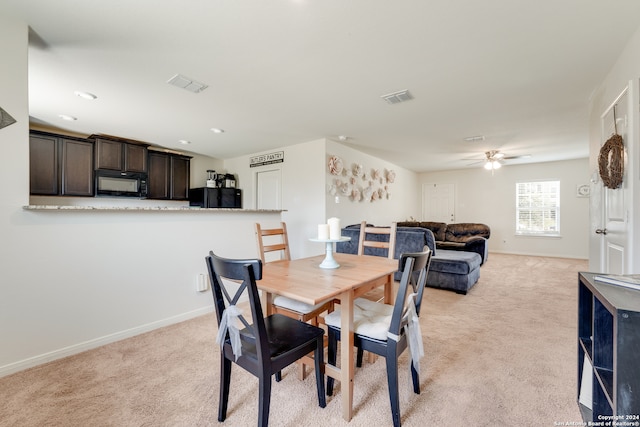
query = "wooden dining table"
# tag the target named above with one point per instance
(303, 280)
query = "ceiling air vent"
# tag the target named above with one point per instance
(187, 83)
(397, 97)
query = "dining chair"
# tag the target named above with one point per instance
(374, 237)
(264, 345)
(417, 280)
(369, 239)
(387, 330)
(276, 240)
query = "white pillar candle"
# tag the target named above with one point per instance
(323, 231)
(334, 228)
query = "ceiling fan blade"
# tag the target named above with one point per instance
(477, 162)
(524, 156)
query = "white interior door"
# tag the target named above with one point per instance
(613, 232)
(269, 189)
(438, 203)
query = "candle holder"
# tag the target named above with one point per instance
(329, 261)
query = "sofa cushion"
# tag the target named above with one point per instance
(461, 232)
(455, 262)
(437, 228)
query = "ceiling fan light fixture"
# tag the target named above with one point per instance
(492, 165)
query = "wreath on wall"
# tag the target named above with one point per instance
(610, 162)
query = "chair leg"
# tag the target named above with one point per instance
(225, 381)
(392, 379)
(265, 400)
(318, 359)
(416, 379)
(359, 354)
(332, 347)
(278, 376)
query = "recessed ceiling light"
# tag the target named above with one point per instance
(216, 130)
(85, 95)
(184, 142)
(66, 117)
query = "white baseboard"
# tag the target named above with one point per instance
(534, 254)
(97, 342)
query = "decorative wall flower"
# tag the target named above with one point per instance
(335, 165)
(376, 174)
(357, 169)
(391, 176)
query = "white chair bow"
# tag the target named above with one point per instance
(228, 322)
(414, 334)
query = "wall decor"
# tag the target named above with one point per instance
(5, 119)
(583, 190)
(335, 165)
(357, 183)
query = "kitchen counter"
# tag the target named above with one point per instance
(147, 209)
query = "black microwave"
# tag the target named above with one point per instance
(120, 184)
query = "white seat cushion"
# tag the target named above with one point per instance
(297, 306)
(371, 319)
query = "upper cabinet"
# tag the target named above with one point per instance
(169, 176)
(64, 166)
(120, 156)
(60, 165)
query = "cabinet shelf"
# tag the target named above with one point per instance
(608, 348)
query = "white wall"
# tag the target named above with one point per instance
(490, 199)
(70, 281)
(302, 191)
(625, 70)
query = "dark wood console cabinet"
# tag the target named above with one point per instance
(60, 165)
(608, 351)
(169, 176)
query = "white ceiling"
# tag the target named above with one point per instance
(282, 72)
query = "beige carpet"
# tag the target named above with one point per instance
(503, 355)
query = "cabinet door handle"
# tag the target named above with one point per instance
(602, 231)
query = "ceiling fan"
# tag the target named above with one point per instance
(494, 158)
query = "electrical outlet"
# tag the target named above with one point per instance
(202, 282)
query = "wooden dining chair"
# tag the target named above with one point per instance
(373, 237)
(380, 329)
(276, 240)
(264, 345)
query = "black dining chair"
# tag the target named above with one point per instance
(261, 345)
(380, 329)
(418, 282)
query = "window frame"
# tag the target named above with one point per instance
(548, 208)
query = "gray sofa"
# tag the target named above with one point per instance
(450, 269)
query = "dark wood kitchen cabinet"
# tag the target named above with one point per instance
(169, 176)
(120, 156)
(60, 165)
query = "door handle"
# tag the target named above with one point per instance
(602, 231)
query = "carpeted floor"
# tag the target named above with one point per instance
(503, 355)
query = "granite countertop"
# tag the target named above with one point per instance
(145, 208)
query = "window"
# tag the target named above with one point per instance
(538, 208)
